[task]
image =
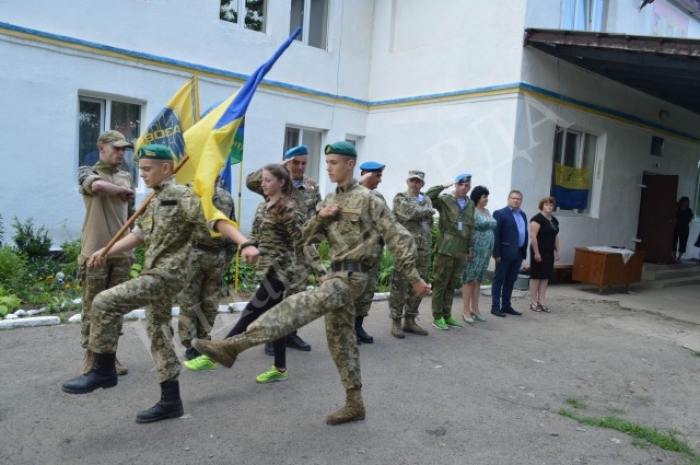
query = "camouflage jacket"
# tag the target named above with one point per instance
(416, 216)
(353, 233)
(279, 240)
(201, 237)
(305, 194)
(452, 240)
(166, 229)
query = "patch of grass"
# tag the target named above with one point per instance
(641, 443)
(696, 353)
(617, 411)
(575, 403)
(666, 440)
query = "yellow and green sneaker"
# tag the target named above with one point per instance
(272, 375)
(201, 363)
(452, 321)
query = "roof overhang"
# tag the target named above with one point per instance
(665, 67)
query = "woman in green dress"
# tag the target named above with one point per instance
(482, 244)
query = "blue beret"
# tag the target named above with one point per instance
(296, 151)
(341, 148)
(372, 166)
(462, 177)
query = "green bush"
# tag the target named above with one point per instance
(32, 244)
(70, 250)
(2, 229)
(12, 266)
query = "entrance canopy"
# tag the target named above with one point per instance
(665, 67)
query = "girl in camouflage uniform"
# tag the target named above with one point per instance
(277, 231)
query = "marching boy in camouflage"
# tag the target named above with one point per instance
(166, 229)
(199, 300)
(352, 219)
(414, 211)
(306, 195)
(108, 194)
(452, 248)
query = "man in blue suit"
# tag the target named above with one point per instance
(509, 251)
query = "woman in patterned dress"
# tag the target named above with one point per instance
(482, 245)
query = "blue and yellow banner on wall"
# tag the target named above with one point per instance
(571, 187)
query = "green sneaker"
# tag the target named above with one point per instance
(440, 324)
(201, 363)
(272, 375)
(452, 321)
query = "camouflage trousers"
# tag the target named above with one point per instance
(153, 292)
(199, 300)
(300, 278)
(402, 300)
(364, 303)
(115, 271)
(446, 273)
(334, 299)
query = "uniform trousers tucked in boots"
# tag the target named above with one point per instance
(335, 299)
(154, 293)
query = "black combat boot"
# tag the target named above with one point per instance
(103, 374)
(361, 333)
(169, 405)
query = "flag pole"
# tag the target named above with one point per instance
(138, 213)
(238, 255)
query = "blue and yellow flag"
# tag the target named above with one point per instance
(169, 126)
(209, 142)
(571, 187)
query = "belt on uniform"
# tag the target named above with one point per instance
(350, 266)
(215, 249)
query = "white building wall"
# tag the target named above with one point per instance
(624, 121)
(42, 88)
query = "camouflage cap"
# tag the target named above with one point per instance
(341, 148)
(415, 174)
(114, 138)
(156, 152)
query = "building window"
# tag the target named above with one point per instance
(96, 115)
(572, 174)
(294, 136)
(255, 13)
(312, 17)
(583, 15)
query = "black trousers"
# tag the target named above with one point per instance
(680, 239)
(269, 294)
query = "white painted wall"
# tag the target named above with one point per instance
(626, 148)
(423, 48)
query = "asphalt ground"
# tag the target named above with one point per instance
(487, 394)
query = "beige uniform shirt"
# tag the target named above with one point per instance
(104, 214)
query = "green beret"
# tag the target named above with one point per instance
(156, 152)
(341, 148)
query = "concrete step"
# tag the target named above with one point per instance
(677, 270)
(674, 282)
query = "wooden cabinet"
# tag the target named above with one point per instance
(606, 269)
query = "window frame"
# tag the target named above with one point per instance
(241, 6)
(309, 28)
(313, 165)
(595, 165)
(106, 102)
(593, 12)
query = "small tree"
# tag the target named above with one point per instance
(30, 243)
